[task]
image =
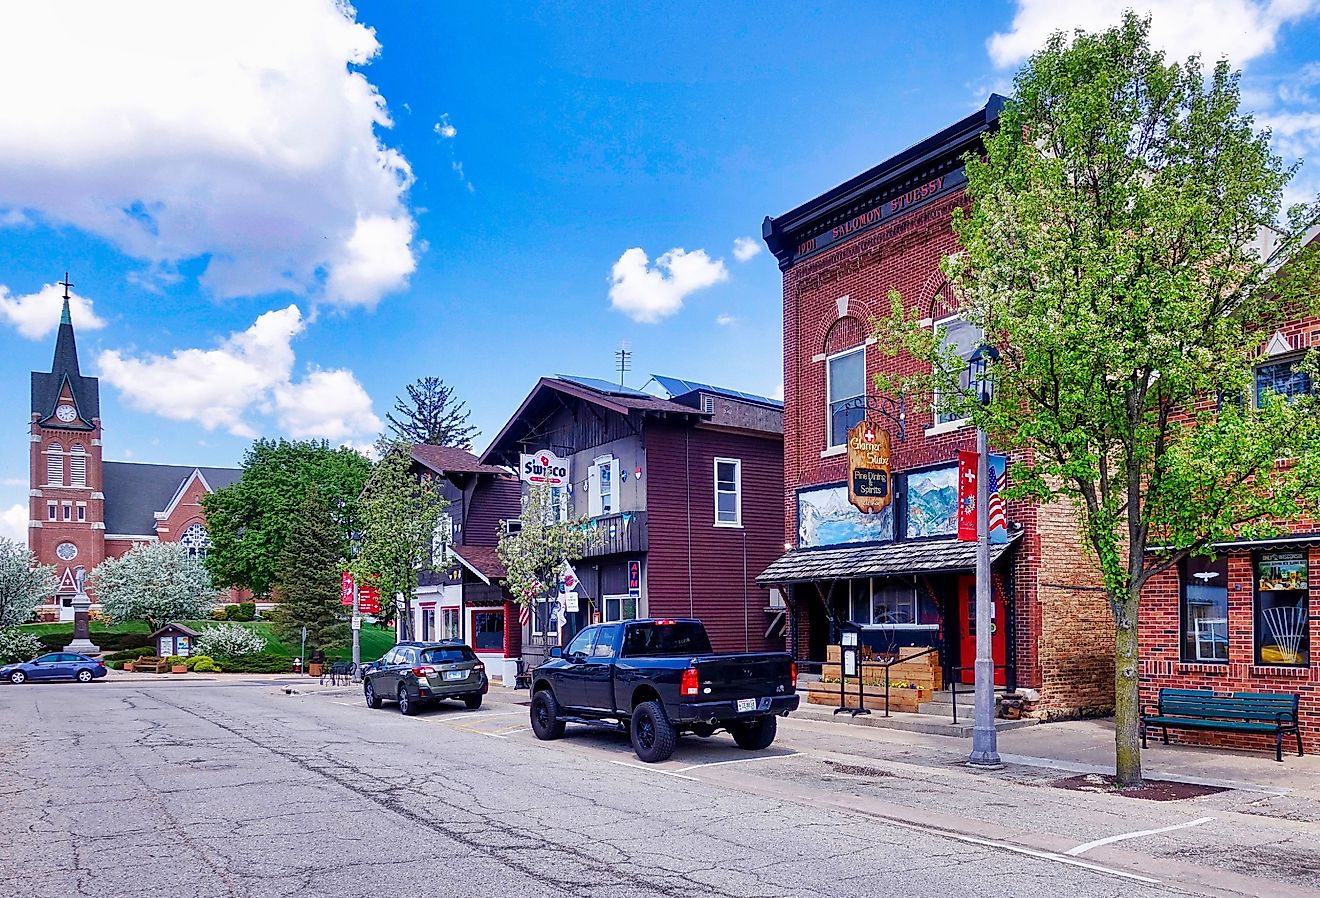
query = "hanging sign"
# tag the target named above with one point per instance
(869, 459)
(998, 523)
(545, 468)
(346, 588)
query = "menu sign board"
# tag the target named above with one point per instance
(869, 460)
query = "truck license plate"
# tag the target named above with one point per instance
(455, 674)
(746, 704)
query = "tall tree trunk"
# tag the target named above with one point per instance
(1127, 700)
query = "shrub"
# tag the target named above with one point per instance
(115, 665)
(262, 662)
(109, 642)
(228, 641)
(176, 659)
(15, 645)
(203, 664)
(220, 614)
(195, 660)
(243, 611)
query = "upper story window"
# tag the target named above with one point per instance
(77, 465)
(195, 541)
(55, 465)
(441, 537)
(1287, 378)
(845, 382)
(728, 492)
(962, 338)
(602, 487)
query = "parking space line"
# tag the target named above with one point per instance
(742, 760)
(650, 769)
(1087, 846)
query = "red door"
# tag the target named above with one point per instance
(967, 646)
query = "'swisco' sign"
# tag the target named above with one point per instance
(544, 467)
(869, 451)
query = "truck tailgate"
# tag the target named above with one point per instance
(729, 677)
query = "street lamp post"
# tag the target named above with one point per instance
(985, 749)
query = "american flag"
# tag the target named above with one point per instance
(524, 615)
(996, 504)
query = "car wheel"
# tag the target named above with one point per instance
(546, 723)
(407, 707)
(369, 694)
(754, 735)
(84, 676)
(18, 678)
(472, 702)
(653, 736)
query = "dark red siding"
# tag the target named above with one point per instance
(695, 568)
(494, 499)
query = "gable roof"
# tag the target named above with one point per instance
(135, 492)
(483, 561)
(451, 459)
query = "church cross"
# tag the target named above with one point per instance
(66, 284)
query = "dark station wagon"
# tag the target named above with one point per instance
(414, 674)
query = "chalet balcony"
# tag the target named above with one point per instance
(615, 534)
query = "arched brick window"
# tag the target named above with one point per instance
(196, 541)
(77, 465)
(54, 464)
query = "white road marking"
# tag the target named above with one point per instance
(1087, 846)
(741, 761)
(349, 704)
(518, 730)
(650, 769)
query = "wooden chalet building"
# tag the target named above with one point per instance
(682, 495)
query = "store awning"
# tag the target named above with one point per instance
(935, 556)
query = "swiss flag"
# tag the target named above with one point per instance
(967, 495)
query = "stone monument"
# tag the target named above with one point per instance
(82, 636)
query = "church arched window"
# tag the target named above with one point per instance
(195, 541)
(55, 465)
(77, 465)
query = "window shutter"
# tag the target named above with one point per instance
(77, 466)
(55, 465)
(593, 491)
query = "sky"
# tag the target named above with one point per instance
(275, 216)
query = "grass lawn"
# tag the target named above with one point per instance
(375, 642)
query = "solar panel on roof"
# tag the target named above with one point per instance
(677, 386)
(604, 386)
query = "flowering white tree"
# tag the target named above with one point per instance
(534, 556)
(228, 641)
(24, 584)
(156, 583)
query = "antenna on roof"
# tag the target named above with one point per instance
(623, 360)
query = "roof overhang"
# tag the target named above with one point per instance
(936, 556)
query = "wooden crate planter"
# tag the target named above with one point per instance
(178, 668)
(923, 672)
(902, 700)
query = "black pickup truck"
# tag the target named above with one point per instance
(659, 678)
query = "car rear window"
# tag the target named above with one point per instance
(448, 655)
(659, 640)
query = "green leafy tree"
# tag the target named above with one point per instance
(249, 520)
(398, 515)
(431, 414)
(24, 584)
(307, 578)
(534, 556)
(1112, 252)
(156, 583)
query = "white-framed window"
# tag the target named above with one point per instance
(55, 465)
(77, 465)
(845, 381)
(82, 512)
(1285, 377)
(620, 607)
(602, 487)
(441, 538)
(68, 511)
(52, 511)
(962, 338)
(450, 623)
(511, 525)
(728, 492)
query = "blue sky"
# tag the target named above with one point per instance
(276, 217)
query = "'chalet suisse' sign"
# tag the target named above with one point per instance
(869, 451)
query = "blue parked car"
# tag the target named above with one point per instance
(55, 666)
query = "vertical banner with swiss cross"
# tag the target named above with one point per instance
(998, 465)
(346, 588)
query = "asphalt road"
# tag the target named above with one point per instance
(190, 788)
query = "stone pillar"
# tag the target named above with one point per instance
(82, 635)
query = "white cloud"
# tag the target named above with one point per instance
(14, 523)
(745, 248)
(649, 294)
(36, 315)
(778, 393)
(249, 371)
(1240, 30)
(445, 130)
(238, 133)
(726, 320)
(330, 404)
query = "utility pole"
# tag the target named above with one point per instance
(357, 629)
(985, 749)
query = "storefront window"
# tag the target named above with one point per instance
(428, 624)
(449, 623)
(620, 608)
(488, 631)
(1205, 609)
(1282, 609)
(884, 602)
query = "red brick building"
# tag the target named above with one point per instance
(1248, 619)
(84, 509)
(901, 573)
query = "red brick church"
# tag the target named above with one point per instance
(83, 509)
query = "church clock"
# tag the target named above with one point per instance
(66, 413)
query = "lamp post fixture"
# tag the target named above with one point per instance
(985, 749)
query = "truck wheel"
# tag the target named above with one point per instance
(653, 736)
(545, 716)
(755, 735)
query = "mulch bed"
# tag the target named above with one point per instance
(1152, 790)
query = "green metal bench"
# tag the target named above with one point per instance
(1241, 712)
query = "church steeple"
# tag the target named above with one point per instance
(65, 380)
(66, 348)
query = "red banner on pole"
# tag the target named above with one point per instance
(967, 495)
(346, 588)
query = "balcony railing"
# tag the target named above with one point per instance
(615, 534)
